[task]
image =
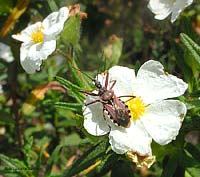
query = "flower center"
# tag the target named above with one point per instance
(37, 36)
(136, 107)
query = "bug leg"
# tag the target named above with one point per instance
(104, 117)
(106, 81)
(92, 102)
(127, 96)
(88, 93)
(113, 84)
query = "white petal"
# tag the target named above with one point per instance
(124, 77)
(161, 8)
(134, 138)
(153, 84)
(163, 120)
(25, 35)
(6, 53)
(42, 50)
(179, 6)
(94, 121)
(28, 64)
(53, 23)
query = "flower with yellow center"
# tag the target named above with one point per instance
(39, 40)
(37, 36)
(153, 115)
(136, 107)
(162, 8)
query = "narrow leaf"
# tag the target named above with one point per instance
(15, 166)
(53, 158)
(171, 166)
(75, 90)
(64, 105)
(90, 157)
(52, 4)
(192, 47)
(27, 149)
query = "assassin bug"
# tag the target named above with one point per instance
(116, 109)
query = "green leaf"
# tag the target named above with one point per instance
(77, 74)
(64, 105)
(52, 4)
(72, 140)
(27, 149)
(6, 6)
(42, 142)
(122, 168)
(71, 32)
(194, 52)
(186, 160)
(192, 172)
(193, 104)
(107, 162)
(170, 166)
(89, 158)
(195, 93)
(6, 118)
(191, 123)
(53, 158)
(194, 151)
(14, 166)
(185, 69)
(75, 90)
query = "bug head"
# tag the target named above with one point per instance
(97, 83)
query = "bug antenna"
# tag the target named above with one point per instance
(104, 66)
(84, 73)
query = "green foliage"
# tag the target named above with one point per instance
(193, 54)
(6, 6)
(90, 157)
(71, 31)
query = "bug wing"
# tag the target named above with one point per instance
(111, 112)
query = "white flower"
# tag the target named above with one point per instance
(162, 8)
(152, 117)
(5, 53)
(39, 39)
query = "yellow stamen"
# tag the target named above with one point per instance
(37, 36)
(136, 107)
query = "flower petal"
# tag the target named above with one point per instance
(28, 64)
(124, 77)
(53, 23)
(134, 138)
(25, 35)
(154, 84)
(163, 120)
(42, 50)
(161, 8)
(94, 121)
(179, 6)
